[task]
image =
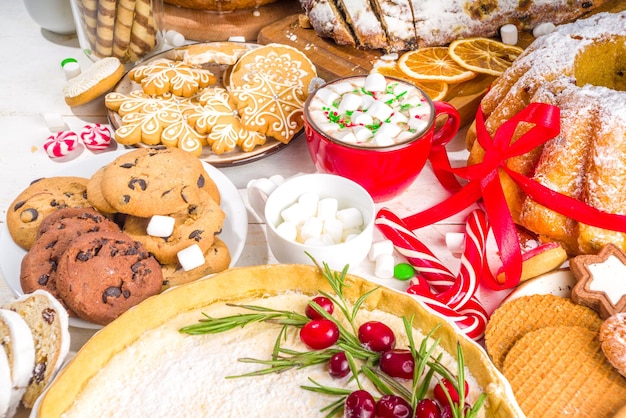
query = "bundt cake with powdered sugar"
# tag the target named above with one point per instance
(400, 25)
(581, 68)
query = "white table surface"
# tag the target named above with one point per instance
(31, 83)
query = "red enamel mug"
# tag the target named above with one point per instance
(384, 171)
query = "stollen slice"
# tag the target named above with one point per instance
(5, 384)
(17, 341)
(49, 324)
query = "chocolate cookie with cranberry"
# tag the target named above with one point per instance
(100, 276)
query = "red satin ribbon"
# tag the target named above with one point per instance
(483, 183)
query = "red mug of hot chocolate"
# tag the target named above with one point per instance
(377, 131)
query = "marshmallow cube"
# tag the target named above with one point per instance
(379, 110)
(288, 231)
(321, 241)
(311, 228)
(350, 217)
(384, 266)
(419, 110)
(362, 134)
(348, 237)
(308, 201)
(350, 233)
(398, 118)
(400, 88)
(382, 140)
(543, 29)
(455, 242)
(54, 122)
(360, 118)
(380, 247)
(417, 124)
(375, 82)
(327, 208)
(277, 179)
(342, 87)
(349, 103)
(334, 229)
(160, 226)
(294, 214)
(348, 137)
(327, 96)
(366, 101)
(508, 33)
(191, 257)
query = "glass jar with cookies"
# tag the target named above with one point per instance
(126, 29)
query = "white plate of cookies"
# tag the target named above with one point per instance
(232, 232)
(228, 103)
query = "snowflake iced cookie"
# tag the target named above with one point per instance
(269, 86)
(167, 76)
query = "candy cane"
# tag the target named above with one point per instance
(407, 244)
(472, 262)
(472, 319)
(456, 298)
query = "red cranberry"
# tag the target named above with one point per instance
(398, 363)
(376, 336)
(324, 303)
(392, 406)
(427, 408)
(338, 365)
(446, 411)
(359, 404)
(319, 333)
(440, 392)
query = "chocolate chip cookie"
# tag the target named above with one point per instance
(100, 276)
(39, 199)
(198, 224)
(217, 258)
(153, 181)
(56, 232)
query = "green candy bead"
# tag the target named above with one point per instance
(403, 271)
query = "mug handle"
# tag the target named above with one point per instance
(438, 155)
(445, 133)
(258, 192)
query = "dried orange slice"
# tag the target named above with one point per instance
(436, 90)
(484, 55)
(433, 64)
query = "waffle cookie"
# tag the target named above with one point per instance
(561, 371)
(515, 318)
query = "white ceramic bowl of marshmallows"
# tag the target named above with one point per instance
(325, 215)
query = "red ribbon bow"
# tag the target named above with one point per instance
(484, 183)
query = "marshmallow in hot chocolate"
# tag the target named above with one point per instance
(372, 111)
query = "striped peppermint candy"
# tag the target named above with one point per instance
(96, 137)
(62, 144)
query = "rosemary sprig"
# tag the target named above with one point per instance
(363, 363)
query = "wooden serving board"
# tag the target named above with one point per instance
(209, 26)
(334, 61)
